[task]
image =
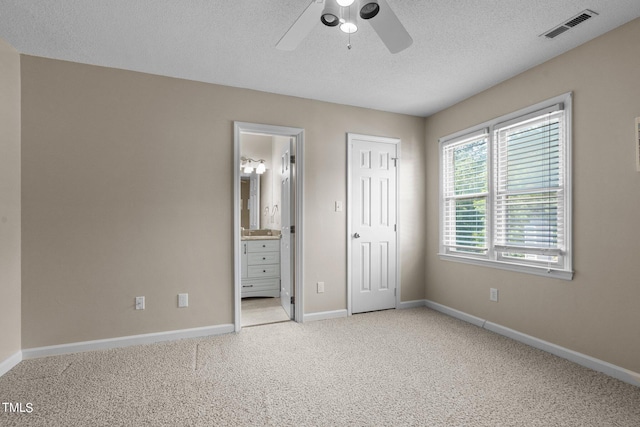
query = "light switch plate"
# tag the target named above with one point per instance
(183, 300)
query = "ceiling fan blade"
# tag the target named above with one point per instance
(390, 29)
(302, 27)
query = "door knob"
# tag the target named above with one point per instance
(356, 236)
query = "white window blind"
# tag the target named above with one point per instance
(505, 193)
(528, 201)
(465, 194)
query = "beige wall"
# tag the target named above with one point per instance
(128, 191)
(597, 313)
(9, 201)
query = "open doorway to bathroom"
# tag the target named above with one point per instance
(268, 218)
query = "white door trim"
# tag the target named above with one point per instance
(386, 140)
(298, 135)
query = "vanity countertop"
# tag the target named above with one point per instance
(263, 234)
(261, 237)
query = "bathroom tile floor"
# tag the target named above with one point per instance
(260, 311)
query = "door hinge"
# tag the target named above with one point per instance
(293, 229)
(395, 292)
(395, 161)
(293, 300)
(395, 227)
(293, 159)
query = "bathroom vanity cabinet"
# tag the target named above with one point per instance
(260, 268)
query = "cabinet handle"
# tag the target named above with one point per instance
(264, 246)
(264, 258)
(247, 286)
(264, 271)
(245, 248)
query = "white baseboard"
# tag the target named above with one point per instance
(455, 313)
(581, 359)
(7, 364)
(324, 315)
(412, 304)
(607, 368)
(78, 347)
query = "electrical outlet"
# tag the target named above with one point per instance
(139, 303)
(320, 287)
(183, 300)
(493, 294)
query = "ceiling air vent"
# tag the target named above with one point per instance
(578, 19)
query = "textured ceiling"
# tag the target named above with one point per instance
(460, 47)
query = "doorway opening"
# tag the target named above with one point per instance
(268, 182)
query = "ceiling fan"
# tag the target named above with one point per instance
(343, 14)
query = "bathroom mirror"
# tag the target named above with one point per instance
(260, 193)
(250, 201)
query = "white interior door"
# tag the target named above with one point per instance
(285, 240)
(373, 225)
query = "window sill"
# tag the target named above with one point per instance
(520, 268)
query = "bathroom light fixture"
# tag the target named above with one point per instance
(345, 3)
(248, 165)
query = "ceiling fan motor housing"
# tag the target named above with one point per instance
(344, 14)
(333, 11)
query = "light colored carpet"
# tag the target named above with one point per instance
(260, 311)
(397, 367)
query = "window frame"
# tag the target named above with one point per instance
(491, 257)
(472, 137)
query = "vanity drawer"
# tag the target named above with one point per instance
(261, 285)
(261, 288)
(256, 271)
(263, 246)
(264, 258)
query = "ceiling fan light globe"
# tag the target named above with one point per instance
(329, 19)
(370, 9)
(330, 14)
(349, 27)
